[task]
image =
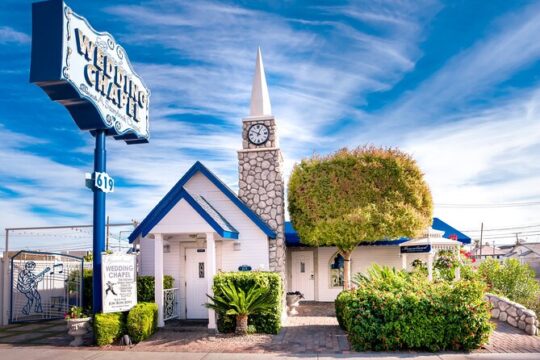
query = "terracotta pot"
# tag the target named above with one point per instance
(241, 324)
(78, 328)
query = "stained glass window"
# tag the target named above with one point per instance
(336, 271)
(201, 270)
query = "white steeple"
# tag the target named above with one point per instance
(260, 100)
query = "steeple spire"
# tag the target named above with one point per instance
(260, 100)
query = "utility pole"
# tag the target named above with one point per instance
(481, 239)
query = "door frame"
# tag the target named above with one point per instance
(314, 268)
(186, 262)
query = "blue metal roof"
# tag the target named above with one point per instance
(449, 231)
(292, 238)
(178, 192)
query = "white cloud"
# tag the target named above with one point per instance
(319, 72)
(10, 35)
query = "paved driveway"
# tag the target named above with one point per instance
(313, 331)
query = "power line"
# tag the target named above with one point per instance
(504, 228)
(485, 206)
(511, 233)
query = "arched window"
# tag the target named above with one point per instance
(336, 270)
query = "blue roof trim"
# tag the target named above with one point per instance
(144, 229)
(292, 238)
(214, 214)
(239, 203)
(438, 224)
(228, 234)
(174, 195)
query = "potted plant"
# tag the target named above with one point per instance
(293, 301)
(78, 325)
(239, 303)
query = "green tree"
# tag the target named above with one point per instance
(355, 196)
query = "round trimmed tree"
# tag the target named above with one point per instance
(358, 196)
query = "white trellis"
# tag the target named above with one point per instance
(432, 239)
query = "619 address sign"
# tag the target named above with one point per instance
(103, 182)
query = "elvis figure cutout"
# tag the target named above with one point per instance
(27, 284)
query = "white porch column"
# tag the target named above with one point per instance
(404, 261)
(158, 277)
(430, 265)
(211, 272)
(458, 269)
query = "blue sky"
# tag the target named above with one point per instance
(454, 83)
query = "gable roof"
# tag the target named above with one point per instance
(201, 205)
(438, 224)
(292, 238)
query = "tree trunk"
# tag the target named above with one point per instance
(346, 269)
(241, 324)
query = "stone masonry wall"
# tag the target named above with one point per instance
(261, 187)
(514, 314)
(272, 138)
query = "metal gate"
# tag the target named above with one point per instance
(44, 285)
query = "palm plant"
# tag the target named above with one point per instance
(382, 276)
(239, 303)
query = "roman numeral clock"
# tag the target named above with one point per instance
(258, 134)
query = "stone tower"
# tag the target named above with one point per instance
(261, 184)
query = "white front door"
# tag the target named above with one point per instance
(303, 277)
(196, 284)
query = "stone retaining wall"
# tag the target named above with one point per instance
(513, 313)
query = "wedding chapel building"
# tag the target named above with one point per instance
(201, 227)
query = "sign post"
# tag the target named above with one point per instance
(100, 166)
(90, 74)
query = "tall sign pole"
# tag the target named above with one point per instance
(90, 74)
(100, 166)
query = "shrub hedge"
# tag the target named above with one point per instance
(400, 311)
(142, 321)
(341, 307)
(513, 280)
(268, 322)
(109, 327)
(145, 287)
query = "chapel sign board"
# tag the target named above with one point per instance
(88, 73)
(119, 279)
(415, 249)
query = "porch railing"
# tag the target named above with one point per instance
(170, 304)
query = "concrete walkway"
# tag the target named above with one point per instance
(35, 353)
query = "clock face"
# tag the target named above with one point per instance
(258, 134)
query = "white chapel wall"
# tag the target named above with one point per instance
(146, 256)
(362, 258)
(254, 242)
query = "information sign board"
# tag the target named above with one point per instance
(119, 279)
